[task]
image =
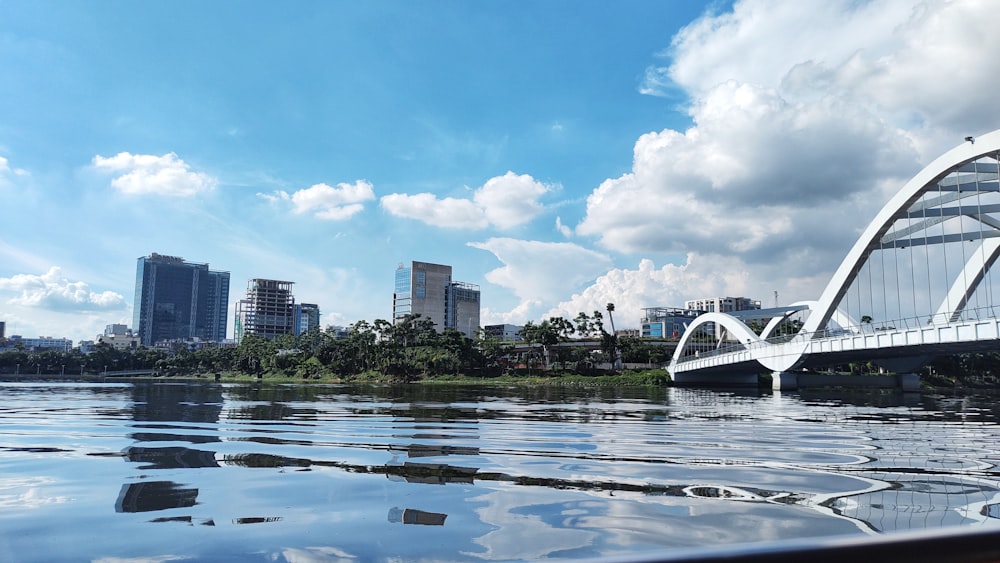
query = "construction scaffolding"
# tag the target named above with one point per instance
(268, 310)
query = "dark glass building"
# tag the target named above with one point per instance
(175, 299)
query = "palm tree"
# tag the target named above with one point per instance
(613, 344)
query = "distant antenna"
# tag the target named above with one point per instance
(776, 298)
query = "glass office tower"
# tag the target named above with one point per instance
(427, 290)
(179, 300)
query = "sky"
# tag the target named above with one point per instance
(561, 154)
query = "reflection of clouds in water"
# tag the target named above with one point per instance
(316, 555)
(143, 559)
(519, 535)
(683, 521)
(27, 492)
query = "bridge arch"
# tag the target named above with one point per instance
(919, 216)
(952, 203)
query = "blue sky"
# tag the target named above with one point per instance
(561, 155)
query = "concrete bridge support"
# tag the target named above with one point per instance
(784, 381)
(790, 381)
(909, 382)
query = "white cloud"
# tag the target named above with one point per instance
(806, 118)
(669, 286)
(7, 173)
(699, 276)
(450, 213)
(327, 202)
(141, 174)
(563, 229)
(53, 291)
(542, 272)
(503, 201)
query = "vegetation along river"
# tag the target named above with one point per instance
(159, 471)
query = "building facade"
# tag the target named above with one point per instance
(667, 323)
(119, 337)
(306, 318)
(39, 344)
(722, 305)
(176, 299)
(426, 289)
(268, 309)
(504, 332)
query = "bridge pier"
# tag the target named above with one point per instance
(790, 381)
(908, 382)
(784, 381)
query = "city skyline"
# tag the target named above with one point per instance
(559, 155)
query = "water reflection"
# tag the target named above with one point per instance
(412, 516)
(176, 402)
(488, 473)
(147, 496)
(170, 458)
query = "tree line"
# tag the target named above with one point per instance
(406, 350)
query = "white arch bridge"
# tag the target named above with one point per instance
(916, 284)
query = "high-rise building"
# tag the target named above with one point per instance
(268, 309)
(306, 317)
(427, 290)
(3, 329)
(176, 299)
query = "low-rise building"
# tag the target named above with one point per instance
(40, 344)
(722, 305)
(504, 332)
(668, 323)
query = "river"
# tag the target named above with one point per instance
(164, 471)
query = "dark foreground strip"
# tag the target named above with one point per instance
(945, 545)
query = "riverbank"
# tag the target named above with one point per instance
(638, 378)
(656, 377)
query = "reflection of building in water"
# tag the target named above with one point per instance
(436, 473)
(432, 473)
(147, 496)
(171, 402)
(421, 450)
(170, 458)
(411, 516)
(257, 520)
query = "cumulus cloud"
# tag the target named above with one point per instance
(805, 117)
(749, 178)
(542, 272)
(503, 202)
(327, 202)
(142, 174)
(53, 291)
(8, 174)
(451, 213)
(648, 286)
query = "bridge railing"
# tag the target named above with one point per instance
(973, 314)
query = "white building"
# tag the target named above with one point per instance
(722, 305)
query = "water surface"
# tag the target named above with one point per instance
(158, 471)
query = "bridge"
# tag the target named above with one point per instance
(916, 284)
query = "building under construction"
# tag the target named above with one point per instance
(268, 310)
